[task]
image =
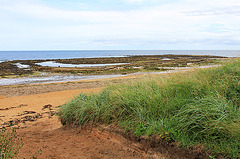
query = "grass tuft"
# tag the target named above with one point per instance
(9, 143)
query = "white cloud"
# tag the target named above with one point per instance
(139, 1)
(182, 22)
(134, 1)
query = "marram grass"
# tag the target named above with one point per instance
(198, 108)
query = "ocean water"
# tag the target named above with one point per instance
(68, 54)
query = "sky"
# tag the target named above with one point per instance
(119, 25)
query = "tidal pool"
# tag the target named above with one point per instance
(19, 65)
(55, 64)
(67, 78)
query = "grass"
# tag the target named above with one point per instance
(10, 144)
(201, 108)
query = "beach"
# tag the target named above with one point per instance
(31, 109)
(126, 79)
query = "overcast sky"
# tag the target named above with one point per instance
(119, 24)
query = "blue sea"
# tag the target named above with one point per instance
(68, 54)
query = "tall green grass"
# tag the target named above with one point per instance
(199, 108)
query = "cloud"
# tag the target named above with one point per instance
(140, 1)
(134, 1)
(232, 10)
(173, 24)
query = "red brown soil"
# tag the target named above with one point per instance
(58, 142)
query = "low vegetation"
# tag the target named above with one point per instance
(9, 144)
(201, 108)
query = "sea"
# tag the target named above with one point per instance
(69, 54)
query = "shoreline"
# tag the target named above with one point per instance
(45, 87)
(31, 89)
(39, 88)
(102, 66)
(31, 72)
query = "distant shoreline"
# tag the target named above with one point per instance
(69, 54)
(102, 66)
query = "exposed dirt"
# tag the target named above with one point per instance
(58, 142)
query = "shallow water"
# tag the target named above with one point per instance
(166, 59)
(55, 64)
(51, 79)
(67, 78)
(21, 65)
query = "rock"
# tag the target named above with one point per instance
(46, 106)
